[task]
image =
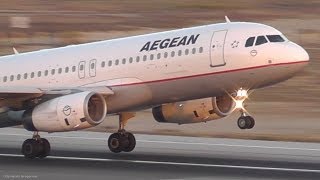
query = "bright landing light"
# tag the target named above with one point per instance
(242, 95)
(239, 104)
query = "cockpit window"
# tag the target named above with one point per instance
(250, 41)
(275, 38)
(261, 40)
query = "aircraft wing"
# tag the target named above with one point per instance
(19, 92)
(11, 96)
(7, 92)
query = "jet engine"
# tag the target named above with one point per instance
(194, 111)
(67, 113)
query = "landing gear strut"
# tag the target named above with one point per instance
(36, 147)
(122, 141)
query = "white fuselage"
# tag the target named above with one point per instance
(153, 69)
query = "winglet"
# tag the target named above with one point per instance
(227, 19)
(15, 51)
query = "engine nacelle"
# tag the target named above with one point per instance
(194, 111)
(67, 113)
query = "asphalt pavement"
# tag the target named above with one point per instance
(84, 155)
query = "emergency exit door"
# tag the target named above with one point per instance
(87, 69)
(217, 48)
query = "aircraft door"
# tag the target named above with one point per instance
(81, 69)
(92, 68)
(217, 48)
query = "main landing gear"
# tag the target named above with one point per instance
(36, 147)
(244, 121)
(122, 141)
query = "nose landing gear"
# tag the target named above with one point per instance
(36, 147)
(122, 141)
(244, 121)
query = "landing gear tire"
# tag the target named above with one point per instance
(121, 141)
(30, 148)
(131, 142)
(252, 122)
(246, 122)
(242, 123)
(45, 148)
(114, 143)
(33, 148)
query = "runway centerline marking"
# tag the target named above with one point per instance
(182, 143)
(176, 163)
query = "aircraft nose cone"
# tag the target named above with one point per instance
(301, 54)
(304, 55)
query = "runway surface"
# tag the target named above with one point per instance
(84, 155)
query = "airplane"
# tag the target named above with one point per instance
(188, 75)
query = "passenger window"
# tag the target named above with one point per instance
(46, 72)
(66, 70)
(53, 71)
(117, 62)
(39, 73)
(81, 67)
(275, 38)
(11, 78)
(250, 41)
(103, 64)
(25, 76)
(130, 60)
(60, 70)
(261, 40)
(73, 68)
(137, 58)
(144, 58)
(151, 56)
(200, 49)
(165, 55)
(193, 50)
(172, 54)
(124, 61)
(18, 76)
(5, 79)
(159, 56)
(32, 75)
(110, 63)
(186, 52)
(179, 53)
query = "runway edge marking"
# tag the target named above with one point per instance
(177, 163)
